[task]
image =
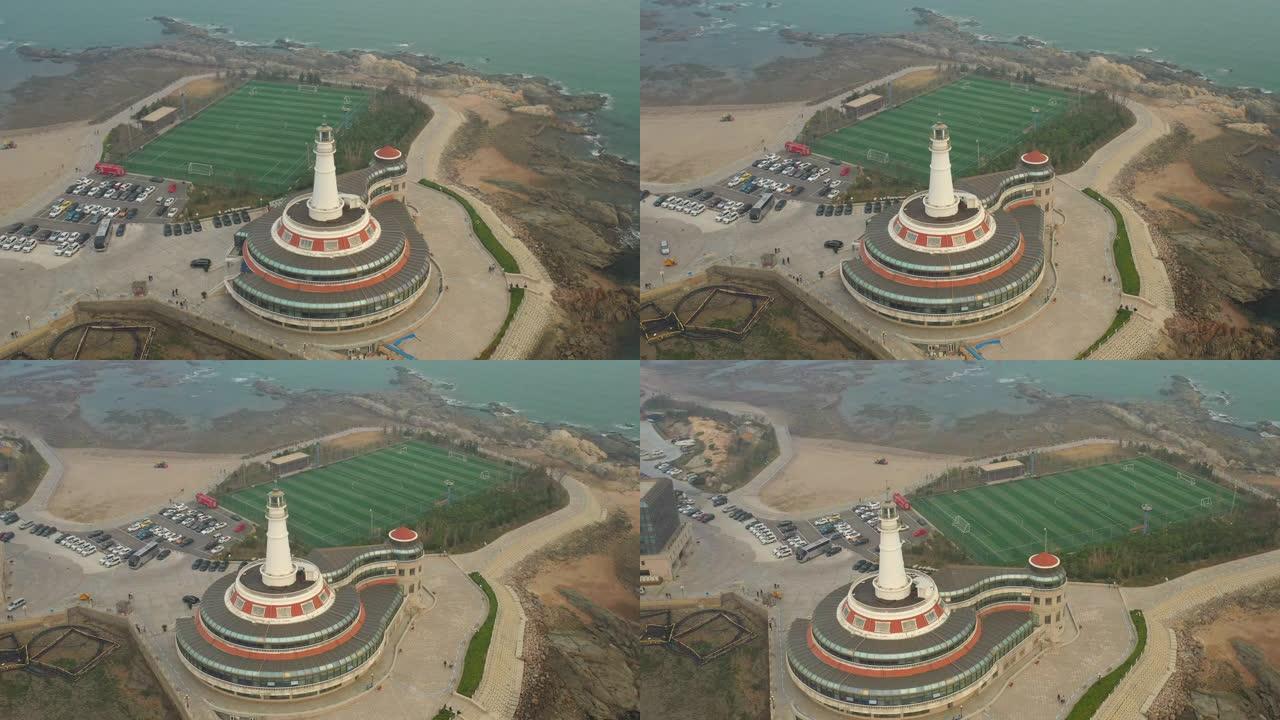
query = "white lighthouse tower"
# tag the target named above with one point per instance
(324, 203)
(891, 582)
(278, 570)
(941, 201)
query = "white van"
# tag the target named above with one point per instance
(15, 604)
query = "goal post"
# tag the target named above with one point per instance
(196, 168)
(455, 455)
(308, 88)
(878, 156)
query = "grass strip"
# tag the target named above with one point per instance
(513, 304)
(482, 231)
(1129, 280)
(1097, 693)
(1122, 317)
(478, 648)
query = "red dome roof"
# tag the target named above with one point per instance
(1044, 561)
(403, 534)
(387, 152)
(1035, 157)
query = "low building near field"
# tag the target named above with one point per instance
(861, 107)
(291, 463)
(1005, 470)
(160, 117)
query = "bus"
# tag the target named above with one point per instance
(143, 554)
(761, 207)
(901, 501)
(206, 500)
(102, 235)
(817, 547)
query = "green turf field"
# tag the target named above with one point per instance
(978, 111)
(260, 135)
(329, 506)
(1004, 524)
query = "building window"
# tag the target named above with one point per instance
(1035, 601)
(284, 612)
(1047, 618)
(401, 572)
(259, 610)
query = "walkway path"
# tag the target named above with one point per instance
(537, 312)
(499, 691)
(1141, 334)
(1163, 605)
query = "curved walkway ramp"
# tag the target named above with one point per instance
(1163, 605)
(1141, 334)
(499, 691)
(537, 313)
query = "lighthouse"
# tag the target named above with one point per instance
(941, 200)
(891, 582)
(278, 569)
(324, 203)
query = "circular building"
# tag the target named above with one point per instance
(344, 255)
(902, 643)
(283, 627)
(953, 255)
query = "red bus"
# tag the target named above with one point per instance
(206, 501)
(109, 169)
(795, 147)
(901, 502)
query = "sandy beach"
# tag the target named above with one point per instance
(826, 473)
(685, 143)
(42, 156)
(103, 484)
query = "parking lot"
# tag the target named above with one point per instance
(187, 529)
(783, 180)
(854, 530)
(69, 221)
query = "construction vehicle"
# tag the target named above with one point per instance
(727, 117)
(669, 263)
(882, 461)
(9, 145)
(85, 597)
(161, 465)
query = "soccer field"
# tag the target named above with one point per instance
(261, 135)
(1004, 524)
(330, 506)
(979, 111)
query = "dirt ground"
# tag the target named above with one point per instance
(785, 331)
(172, 341)
(199, 88)
(1266, 480)
(824, 473)
(355, 441)
(1083, 452)
(486, 165)
(916, 79)
(120, 687)
(733, 686)
(102, 484)
(1179, 179)
(1260, 628)
(685, 143)
(711, 433)
(593, 577)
